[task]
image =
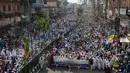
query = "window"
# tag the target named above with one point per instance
(0, 8)
(14, 8)
(18, 8)
(9, 8)
(4, 8)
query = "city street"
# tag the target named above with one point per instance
(67, 70)
(64, 36)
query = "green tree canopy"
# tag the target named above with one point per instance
(26, 43)
(79, 11)
(43, 21)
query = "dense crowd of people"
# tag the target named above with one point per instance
(12, 50)
(90, 42)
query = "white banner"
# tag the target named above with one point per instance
(59, 59)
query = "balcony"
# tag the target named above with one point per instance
(10, 0)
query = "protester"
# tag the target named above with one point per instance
(128, 67)
(90, 43)
(12, 48)
(91, 63)
(107, 69)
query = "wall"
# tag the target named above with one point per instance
(11, 4)
(7, 21)
(50, 4)
(115, 3)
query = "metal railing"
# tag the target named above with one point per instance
(33, 66)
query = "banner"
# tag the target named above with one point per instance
(58, 59)
(37, 4)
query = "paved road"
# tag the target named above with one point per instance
(67, 70)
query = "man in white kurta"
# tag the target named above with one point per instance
(103, 63)
(94, 62)
(99, 63)
(109, 63)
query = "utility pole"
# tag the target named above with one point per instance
(119, 5)
(106, 8)
(86, 2)
(27, 9)
(98, 7)
(94, 5)
(73, 9)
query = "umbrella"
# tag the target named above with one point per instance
(125, 40)
(111, 37)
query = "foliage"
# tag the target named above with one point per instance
(79, 12)
(58, 3)
(26, 43)
(43, 21)
(65, 3)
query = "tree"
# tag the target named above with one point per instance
(44, 22)
(97, 9)
(79, 12)
(26, 45)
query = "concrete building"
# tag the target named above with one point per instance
(11, 10)
(114, 6)
(10, 7)
(121, 3)
(39, 6)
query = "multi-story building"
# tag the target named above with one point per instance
(120, 3)
(41, 5)
(122, 6)
(10, 7)
(48, 7)
(115, 5)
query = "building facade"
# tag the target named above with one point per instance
(44, 6)
(119, 3)
(10, 7)
(115, 5)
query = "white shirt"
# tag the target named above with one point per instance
(14, 53)
(3, 53)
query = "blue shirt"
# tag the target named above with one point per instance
(128, 68)
(121, 68)
(1, 43)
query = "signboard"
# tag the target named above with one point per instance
(128, 12)
(37, 3)
(123, 11)
(50, 4)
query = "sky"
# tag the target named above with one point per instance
(73, 1)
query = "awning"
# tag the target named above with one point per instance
(124, 40)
